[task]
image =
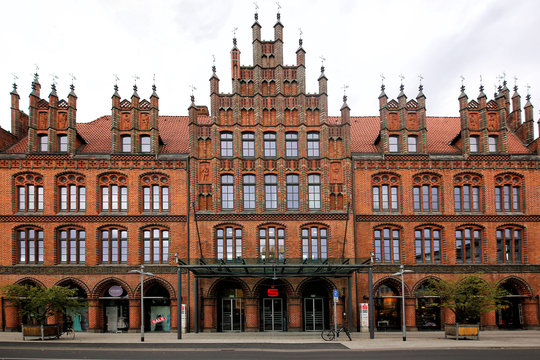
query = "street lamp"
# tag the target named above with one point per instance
(141, 271)
(401, 272)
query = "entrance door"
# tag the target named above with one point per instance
(232, 314)
(272, 314)
(111, 312)
(314, 314)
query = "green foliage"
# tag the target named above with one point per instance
(467, 297)
(37, 303)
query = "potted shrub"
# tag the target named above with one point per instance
(468, 298)
(37, 303)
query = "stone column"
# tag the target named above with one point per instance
(134, 315)
(252, 314)
(294, 310)
(410, 313)
(95, 318)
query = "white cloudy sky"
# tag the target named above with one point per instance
(175, 40)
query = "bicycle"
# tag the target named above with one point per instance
(68, 331)
(331, 334)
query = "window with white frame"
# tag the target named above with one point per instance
(248, 145)
(393, 141)
(293, 192)
(145, 143)
(412, 144)
(62, 143)
(249, 191)
(126, 143)
(269, 145)
(314, 191)
(270, 191)
(226, 144)
(291, 145)
(227, 192)
(313, 144)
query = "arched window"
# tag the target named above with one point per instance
(114, 192)
(387, 244)
(226, 144)
(314, 191)
(426, 192)
(229, 243)
(155, 245)
(272, 243)
(269, 145)
(227, 192)
(29, 192)
(155, 189)
(291, 145)
(509, 244)
(427, 244)
(313, 144)
(72, 245)
(249, 191)
(248, 145)
(72, 191)
(315, 243)
(469, 245)
(508, 192)
(30, 245)
(385, 192)
(113, 246)
(467, 192)
(293, 192)
(270, 190)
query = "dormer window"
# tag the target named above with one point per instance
(492, 144)
(43, 143)
(62, 143)
(473, 144)
(393, 144)
(412, 143)
(145, 143)
(126, 143)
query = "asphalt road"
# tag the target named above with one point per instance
(246, 351)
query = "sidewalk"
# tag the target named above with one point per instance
(383, 340)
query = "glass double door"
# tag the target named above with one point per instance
(232, 314)
(313, 314)
(272, 314)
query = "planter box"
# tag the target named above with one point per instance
(41, 331)
(462, 331)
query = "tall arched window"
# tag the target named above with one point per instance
(227, 192)
(270, 191)
(293, 196)
(30, 246)
(270, 145)
(314, 191)
(226, 143)
(426, 192)
(385, 189)
(29, 192)
(469, 245)
(72, 192)
(387, 241)
(114, 192)
(508, 192)
(467, 192)
(272, 243)
(72, 245)
(229, 243)
(509, 244)
(249, 191)
(113, 246)
(315, 243)
(248, 145)
(155, 189)
(427, 244)
(155, 245)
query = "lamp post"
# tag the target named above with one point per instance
(141, 271)
(401, 272)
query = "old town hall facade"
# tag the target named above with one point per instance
(266, 205)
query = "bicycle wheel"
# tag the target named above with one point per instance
(328, 335)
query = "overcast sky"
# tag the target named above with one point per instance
(360, 40)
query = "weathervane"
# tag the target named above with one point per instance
(382, 79)
(135, 78)
(193, 88)
(420, 77)
(15, 77)
(323, 59)
(401, 77)
(481, 80)
(256, 6)
(278, 6)
(515, 82)
(54, 78)
(528, 88)
(301, 32)
(234, 32)
(462, 79)
(116, 78)
(37, 68)
(345, 87)
(73, 78)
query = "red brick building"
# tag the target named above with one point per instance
(270, 204)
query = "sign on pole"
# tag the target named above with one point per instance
(336, 295)
(364, 316)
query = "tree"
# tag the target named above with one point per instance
(37, 303)
(467, 297)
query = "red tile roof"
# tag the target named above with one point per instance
(364, 131)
